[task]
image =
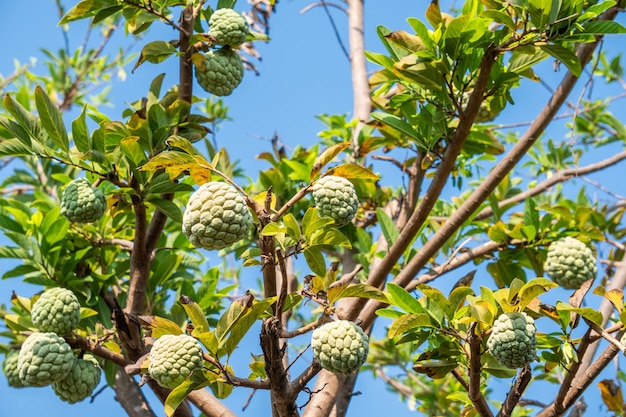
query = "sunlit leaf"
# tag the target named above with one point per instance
(327, 156)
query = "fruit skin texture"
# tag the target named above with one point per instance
(80, 382)
(340, 346)
(9, 367)
(570, 262)
(57, 310)
(228, 27)
(44, 358)
(82, 203)
(512, 340)
(335, 197)
(173, 358)
(219, 72)
(216, 216)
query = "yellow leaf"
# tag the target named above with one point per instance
(612, 396)
(433, 13)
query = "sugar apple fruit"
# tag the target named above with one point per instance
(56, 310)
(173, 358)
(218, 72)
(216, 216)
(335, 197)
(82, 203)
(340, 346)
(570, 262)
(512, 341)
(44, 358)
(9, 368)
(228, 27)
(80, 382)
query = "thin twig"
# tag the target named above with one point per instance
(332, 21)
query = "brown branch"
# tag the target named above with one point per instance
(210, 406)
(308, 374)
(572, 371)
(558, 177)
(280, 303)
(475, 394)
(305, 329)
(139, 258)
(362, 105)
(456, 262)
(513, 397)
(130, 396)
(88, 345)
(293, 200)
(405, 390)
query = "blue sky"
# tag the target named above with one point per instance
(303, 73)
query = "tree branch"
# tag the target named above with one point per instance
(558, 177)
(475, 394)
(130, 397)
(516, 392)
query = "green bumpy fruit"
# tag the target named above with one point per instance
(9, 367)
(335, 197)
(82, 203)
(216, 216)
(340, 346)
(219, 72)
(570, 263)
(228, 27)
(44, 358)
(80, 382)
(57, 310)
(512, 341)
(173, 358)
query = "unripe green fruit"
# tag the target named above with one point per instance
(512, 341)
(80, 382)
(82, 203)
(57, 310)
(218, 72)
(335, 197)
(228, 27)
(216, 216)
(44, 358)
(9, 367)
(340, 346)
(570, 262)
(173, 358)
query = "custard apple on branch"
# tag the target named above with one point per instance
(340, 346)
(80, 382)
(512, 341)
(228, 27)
(570, 262)
(173, 358)
(336, 197)
(82, 203)
(56, 310)
(9, 368)
(216, 216)
(44, 358)
(218, 72)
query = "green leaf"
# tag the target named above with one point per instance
(228, 4)
(352, 171)
(400, 125)
(407, 323)
(293, 228)
(388, 227)
(588, 313)
(25, 119)
(521, 60)
(327, 156)
(178, 394)
(195, 314)
(80, 133)
(238, 328)
(331, 237)
(161, 326)
(539, 11)
(532, 289)
(51, 119)
(87, 8)
(155, 52)
(604, 27)
(360, 291)
(500, 17)
(272, 229)
(564, 55)
(315, 260)
(400, 297)
(406, 41)
(168, 208)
